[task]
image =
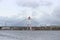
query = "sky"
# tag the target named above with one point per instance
(42, 12)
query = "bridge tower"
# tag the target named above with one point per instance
(29, 22)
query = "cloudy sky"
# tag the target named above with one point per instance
(42, 12)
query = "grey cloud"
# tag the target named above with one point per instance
(54, 18)
(0, 0)
(33, 4)
(45, 19)
(48, 19)
(18, 22)
(56, 12)
(28, 4)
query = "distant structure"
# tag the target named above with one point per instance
(29, 22)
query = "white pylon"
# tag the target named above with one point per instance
(29, 22)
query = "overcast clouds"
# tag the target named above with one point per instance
(41, 12)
